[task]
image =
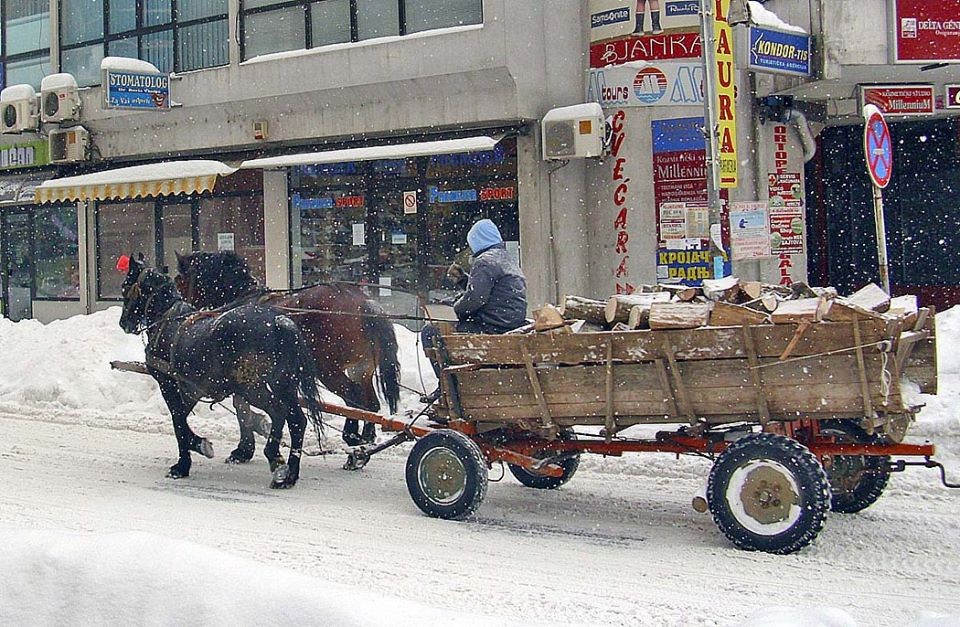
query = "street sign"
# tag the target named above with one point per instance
(953, 97)
(877, 147)
(409, 202)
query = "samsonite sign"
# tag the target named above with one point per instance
(924, 31)
(899, 99)
(777, 51)
(611, 18)
(646, 85)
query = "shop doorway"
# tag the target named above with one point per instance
(16, 265)
(393, 249)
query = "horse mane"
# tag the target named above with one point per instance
(218, 277)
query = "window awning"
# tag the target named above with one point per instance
(372, 153)
(139, 181)
(18, 190)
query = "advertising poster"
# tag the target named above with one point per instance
(925, 31)
(680, 196)
(749, 230)
(611, 18)
(786, 213)
(646, 85)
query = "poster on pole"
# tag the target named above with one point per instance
(749, 230)
(786, 213)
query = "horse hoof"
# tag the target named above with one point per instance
(282, 478)
(352, 439)
(239, 457)
(206, 448)
(176, 473)
(276, 463)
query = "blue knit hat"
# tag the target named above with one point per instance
(483, 234)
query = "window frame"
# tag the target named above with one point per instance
(140, 30)
(30, 55)
(307, 6)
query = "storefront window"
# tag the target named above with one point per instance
(56, 261)
(123, 228)
(234, 223)
(279, 25)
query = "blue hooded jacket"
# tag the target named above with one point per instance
(496, 293)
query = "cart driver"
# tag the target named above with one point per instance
(495, 299)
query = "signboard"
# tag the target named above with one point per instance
(952, 101)
(925, 31)
(749, 230)
(225, 241)
(136, 90)
(878, 148)
(27, 155)
(899, 99)
(726, 102)
(778, 51)
(646, 85)
(785, 192)
(611, 18)
(682, 45)
(680, 197)
(410, 202)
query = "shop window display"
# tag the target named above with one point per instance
(56, 261)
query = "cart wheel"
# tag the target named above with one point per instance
(856, 481)
(544, 482)
(447, 475)
(768, 493)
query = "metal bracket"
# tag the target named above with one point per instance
(899, 465)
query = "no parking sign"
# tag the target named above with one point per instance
(877, 147)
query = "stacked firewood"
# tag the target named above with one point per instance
(724, 302)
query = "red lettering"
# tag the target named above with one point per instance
(726, 142)
(621, 221)
(618, 119)
(625, 288)
(618, 169)
(622, 238)
(718, 11)
(617, 141)
(726, 107)
(620, 195)
(622, 268)
(725, 80)
(723, 43)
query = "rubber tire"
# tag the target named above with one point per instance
(545, 482)
(870, 486)
(806, 472)
(474, 467)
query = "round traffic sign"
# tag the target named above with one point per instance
(877, 147)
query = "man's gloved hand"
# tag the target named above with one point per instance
(457, 276)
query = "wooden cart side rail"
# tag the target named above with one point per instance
(705, 343)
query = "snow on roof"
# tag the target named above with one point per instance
(370, 153)
(585, 110)
(124, 64)
(762, 16)
(18, 92)
(58, 81)
(148, 172)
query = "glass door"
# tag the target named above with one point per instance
(395, 261)
(176, 221)
(17, 265)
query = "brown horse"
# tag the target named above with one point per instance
(346, 332)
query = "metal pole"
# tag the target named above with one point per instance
(710, 89)
(881, 238)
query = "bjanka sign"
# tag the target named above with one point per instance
(925, 31)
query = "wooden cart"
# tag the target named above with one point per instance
(799, 418)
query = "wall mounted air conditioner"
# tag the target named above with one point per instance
(69, 145)
(18, 109)
(573, 132)
(59, 98)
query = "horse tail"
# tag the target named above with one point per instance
(380, 330)
(305, 369)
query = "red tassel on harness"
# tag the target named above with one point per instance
(123, 264)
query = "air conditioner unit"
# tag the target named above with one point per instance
(18, 109)
(68, 145)
(573, 132)
(59, 98)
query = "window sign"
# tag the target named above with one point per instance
(26, 155)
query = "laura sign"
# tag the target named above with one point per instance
(900, 99)
(925, 31)
(725, 101)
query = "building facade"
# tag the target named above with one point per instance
(357, 140)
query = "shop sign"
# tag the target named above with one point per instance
(28, 155)
(925, 31)
(436, 195)
(899, 99)
(611, 18)
(952, 100)
(777, 51)
(496, 193)
(726, 101)
(300, 202)
(749, 230)
(665, 46)
(621, 206)
(664, 83)
(136, 90)
(680, 198)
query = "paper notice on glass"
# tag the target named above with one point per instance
(513, 250)
(673, 221)
(698, 222)
(386, 281)
(225, 241)
(359, 234)
(398, 237)
(750, 230)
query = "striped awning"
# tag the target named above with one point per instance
(139, 181)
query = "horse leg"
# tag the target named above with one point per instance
(271, 449)
(287, 476)
(187, 440)
(247, 419)
(369, 395)
(340, 384)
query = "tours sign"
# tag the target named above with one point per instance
(778, 51)
(136, 90)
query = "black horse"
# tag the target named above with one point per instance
(250, 351)
(347, 333)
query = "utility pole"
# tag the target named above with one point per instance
(711, 124)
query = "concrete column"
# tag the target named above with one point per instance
(276, 229)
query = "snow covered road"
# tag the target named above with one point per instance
(619, 545)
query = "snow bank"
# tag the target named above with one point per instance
(136, 578)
